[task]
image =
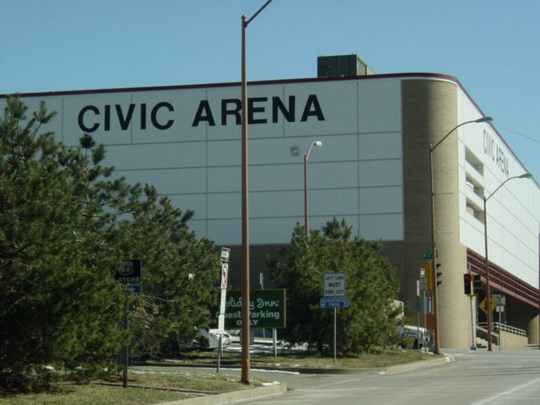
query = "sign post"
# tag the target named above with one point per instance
(129, 276)
(224, 259)
(334, 297)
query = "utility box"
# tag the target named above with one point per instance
(342, 66)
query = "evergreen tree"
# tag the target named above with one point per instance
(65, 228)
(179, 276)
(57, 297)
(371, 282)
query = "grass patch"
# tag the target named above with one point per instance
(374, 359)
(98, 394)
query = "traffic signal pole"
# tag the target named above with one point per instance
(433, 273)
(473, 324)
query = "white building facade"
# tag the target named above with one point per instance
(372, 170)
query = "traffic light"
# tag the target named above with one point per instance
(438, 274)
(428, 275)
(477, 284)
(467, 283)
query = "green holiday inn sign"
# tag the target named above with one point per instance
(267, 309)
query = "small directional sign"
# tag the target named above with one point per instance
(334, 302)
(136, 289)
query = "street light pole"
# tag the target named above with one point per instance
(434, 297)
(486, 259)
(306, 157)
(246, 377)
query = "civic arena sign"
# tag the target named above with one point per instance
(261, 110)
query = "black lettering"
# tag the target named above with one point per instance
(107, 122)
(288, 114)
(81, 118)
(235, 112)
(252, 110)
(124, 121)
(153, 116)
(313, 108)
(143, 116)
(204, 113)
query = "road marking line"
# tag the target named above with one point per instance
(507, 392)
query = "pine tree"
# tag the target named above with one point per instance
(57, 297)
(66, 226)
(179, 276)
(371, 282)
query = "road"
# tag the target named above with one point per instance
(475, 378)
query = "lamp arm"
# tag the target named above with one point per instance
(450, 132)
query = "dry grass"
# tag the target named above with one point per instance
(99, 394)
(113, 393)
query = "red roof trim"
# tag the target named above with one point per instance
(257, 83)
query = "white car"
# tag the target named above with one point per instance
(209, 339)
(413, 337)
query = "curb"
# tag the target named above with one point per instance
(281, 388)
(252, 393)
(418, 365)
(380, 370)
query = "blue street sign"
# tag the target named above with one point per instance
(334, 302)
(136, 289)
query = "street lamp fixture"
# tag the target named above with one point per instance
(486, 269)
(245, 207)
(436, 348)
(306, 157)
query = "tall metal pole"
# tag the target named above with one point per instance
(434, 295)
(433, 241)
(306, 157)
(305, 195)
(488, 277)
(246, 360)
(487, 270)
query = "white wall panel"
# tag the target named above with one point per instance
(277, 204)
(224, 205)
(379, 106)
(224, 153)
(170, 181)
(381, 200)
(387, 145)
(333, 175)
(338, 202)
(381, 227)
(224, 179)
(380, 173)
(155, 156)
(276, 177)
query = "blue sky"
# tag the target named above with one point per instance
(492, 47)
